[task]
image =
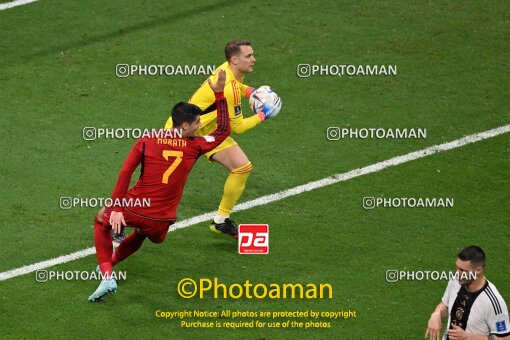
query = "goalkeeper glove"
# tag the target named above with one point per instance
(272, 107)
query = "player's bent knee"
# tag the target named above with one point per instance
(158, 237)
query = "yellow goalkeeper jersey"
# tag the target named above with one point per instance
(205, 100)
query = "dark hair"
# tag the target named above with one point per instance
(474, 255)
(233, 48)
(184, 112)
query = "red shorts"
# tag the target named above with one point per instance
(154, 229)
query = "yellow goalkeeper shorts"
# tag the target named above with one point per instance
(227, 143)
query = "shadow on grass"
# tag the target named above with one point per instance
(148, 24)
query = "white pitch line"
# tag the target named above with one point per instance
(282, 194)
(16, 3)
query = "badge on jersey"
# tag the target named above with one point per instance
(209, 139)
(237, 110)
(501, 326)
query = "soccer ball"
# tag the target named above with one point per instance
(266, 101)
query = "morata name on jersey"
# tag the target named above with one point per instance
(172, 142)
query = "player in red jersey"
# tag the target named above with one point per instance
(165, 166)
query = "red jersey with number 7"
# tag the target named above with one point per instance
(165, 166)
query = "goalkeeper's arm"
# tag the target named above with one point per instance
(239, 124)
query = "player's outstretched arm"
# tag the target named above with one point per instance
(434, 325)
(220, 82)
(222, 131)
(120, 190)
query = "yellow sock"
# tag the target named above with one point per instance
(234, 187)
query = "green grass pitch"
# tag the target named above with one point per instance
(57, 75)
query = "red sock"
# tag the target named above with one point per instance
(127, 247)
(104, 247)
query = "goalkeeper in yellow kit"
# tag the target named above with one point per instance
(240, 61)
